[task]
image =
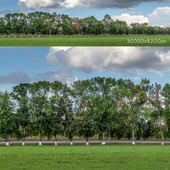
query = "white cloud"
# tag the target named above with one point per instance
(15, 77)
(160, 17)
(136, 78)
(156, 71)
(24, 11)
(136, 13)
(131, 18)
(59, 4)
(63, 75)
(111, 59)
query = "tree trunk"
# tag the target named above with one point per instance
(7, 143)
(6, 137)
(87, 140)
(71, 141)
(40, 138)
(23, 139)
(103, 138)
(133, 140)
(162, 137)
(55, 140)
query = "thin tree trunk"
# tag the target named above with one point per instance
(7, 143)
(40, 138)
(55, 140)
(87, 140)
(133, 140)
(23, 139)
(6, 137)
(162, 137)
(71, 141)
(103, 138)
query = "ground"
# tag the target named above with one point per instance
(85, 157)
(87, 41)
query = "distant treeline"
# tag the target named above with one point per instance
(99, 106)
(55, 24)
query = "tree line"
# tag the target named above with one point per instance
(97, 106)
(45, 23)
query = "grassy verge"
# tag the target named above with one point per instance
(87, 41)
(85, 157)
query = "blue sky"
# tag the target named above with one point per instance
(67, 64)
(155, 12)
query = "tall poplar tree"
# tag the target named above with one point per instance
(20, 94)
(8, 121)
(136, 96)
(39, 104)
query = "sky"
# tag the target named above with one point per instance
(154, 12)
(68, 64)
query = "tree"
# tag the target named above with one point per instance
(8, 23)
(150, 30)
(17, 26)
(123, 27)
(144, 28)
(119, 120)
(114, 27)
(156, 101)
(20, 94)
(66, 24)
(8, 121)
(90, 25)
(83, 110)
(102, 102)
(166, 111)
(107, 17)
(2, 26)
(57, 108)
(31, 23)
(69, 119)
(147, 123)
(135, 97)
(38, 105)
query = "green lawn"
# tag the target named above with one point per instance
(85, 157)
(86, 41)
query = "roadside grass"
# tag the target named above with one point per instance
(85, 157)
(84, 41)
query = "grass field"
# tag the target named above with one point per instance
(85, 157)
(87, 41)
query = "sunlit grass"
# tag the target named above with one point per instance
(85, 41)
(85, 157)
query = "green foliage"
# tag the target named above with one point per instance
(2, 25)
(8, 120)
(99, 106)
(166, 111)
(20, 94)
(45, 23)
